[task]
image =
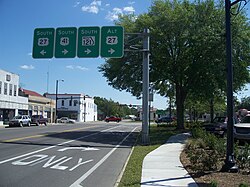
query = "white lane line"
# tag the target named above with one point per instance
(82, 178)
(50, 147)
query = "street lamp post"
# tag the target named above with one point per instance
(230, 164)
(57, 97)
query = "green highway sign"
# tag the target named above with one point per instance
(88, 42)
(112, 39)
(43, 43)
(65, 44)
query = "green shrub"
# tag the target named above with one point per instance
(242, 156)
(213, 184)
(205, 150)
(243, 185)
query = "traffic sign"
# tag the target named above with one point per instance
(43, 43)
(88, 42)
(65, 44)
(112, 39)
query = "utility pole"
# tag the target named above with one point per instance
(145, 89)
(145, 80)
(230, 164)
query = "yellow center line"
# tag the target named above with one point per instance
(41, 135)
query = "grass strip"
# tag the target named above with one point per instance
(158, 136)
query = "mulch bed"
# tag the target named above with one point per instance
(223, 179)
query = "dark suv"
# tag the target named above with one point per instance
(39, 119)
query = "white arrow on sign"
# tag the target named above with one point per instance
(43, 52)
(78, 148)
(65, 51)
(111, 51)
(87, 51)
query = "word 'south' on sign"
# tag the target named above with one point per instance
(88, 42)
(112, 41)
(65, 46)
(43, 43)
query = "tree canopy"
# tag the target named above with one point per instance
(187, 46)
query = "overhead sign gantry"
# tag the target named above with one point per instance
(84, 42)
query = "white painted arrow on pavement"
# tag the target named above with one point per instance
(43, 52)
(65, 51)
(87, 51)
(78, 148)
(111, 51)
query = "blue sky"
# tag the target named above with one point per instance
(19, 19)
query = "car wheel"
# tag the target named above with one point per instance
(117, 121)
(28, 124)
(107, 121)
(21, 124)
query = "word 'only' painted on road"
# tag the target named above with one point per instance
(85, 42)
(50, 161)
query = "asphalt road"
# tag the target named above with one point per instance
(89, 155)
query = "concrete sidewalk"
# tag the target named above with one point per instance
(162, 167)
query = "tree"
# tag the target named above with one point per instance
(187, 52)
(111, 108)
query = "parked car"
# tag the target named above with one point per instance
(65, 120)
(242, 129)
(113, 118)
(165, 119)
(20, 120)
(39, 119)
(218, 126)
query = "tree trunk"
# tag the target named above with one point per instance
(180, 98)
(211, 110)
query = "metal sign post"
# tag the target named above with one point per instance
(145, 89)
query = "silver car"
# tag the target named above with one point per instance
(65, 120)
(20, 121)
(242, 129)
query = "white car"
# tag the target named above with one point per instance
(242, 129)
(20, 121)
(65, 120)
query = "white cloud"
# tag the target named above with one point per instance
(93, 7)
(77, 67)
(114, 14)
(96, 3)
(129, 9)
(70, 67)
(76, 4)
(27, 67)
(111, 16)
(131, 2)
(82, 68)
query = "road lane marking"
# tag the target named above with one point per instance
(78, 148)
(40, 135)
(89, 172)
(50, 147)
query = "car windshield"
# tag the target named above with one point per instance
(246, 119)
(219, 119)
(17, 117)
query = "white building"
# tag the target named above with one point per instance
(75, 106)
(11, 104)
